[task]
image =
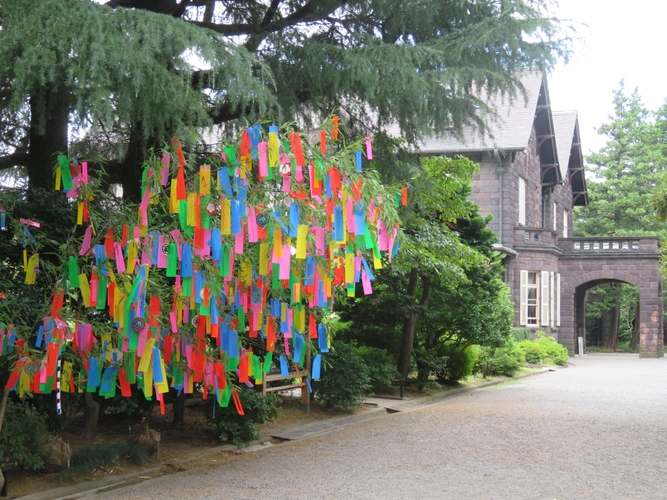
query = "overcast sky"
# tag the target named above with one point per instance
(622, 40)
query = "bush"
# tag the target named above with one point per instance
(381, 368)
(23, 436)
(505, 360)
(520, 334)
(553, 350)
(458, 365)
(532, 351)
(241, 428)
(344, 379)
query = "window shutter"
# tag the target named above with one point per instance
(552, 302)
(544, 298)
(523, 310)
(522, 201)
(555, 217)
(557, 299)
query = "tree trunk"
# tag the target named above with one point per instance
(92, 408)
(409, 322)
(614, 317)
(634, 341)
(179, 408)
(411, 318)
(3, 406)
(49, 119)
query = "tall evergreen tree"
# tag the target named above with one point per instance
(625, 171)
(120, 76)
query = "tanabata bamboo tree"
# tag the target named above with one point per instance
(223, 270)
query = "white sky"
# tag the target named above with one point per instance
(622, 40)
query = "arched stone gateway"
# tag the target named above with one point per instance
(588, 262)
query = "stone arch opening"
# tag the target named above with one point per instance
(649, 314)
(608, 317)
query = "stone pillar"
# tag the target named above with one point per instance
(566, 332)
(650, 322)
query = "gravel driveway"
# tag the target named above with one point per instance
(594, 430)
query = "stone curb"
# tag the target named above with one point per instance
(88, 488)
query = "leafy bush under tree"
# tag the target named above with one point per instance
(344, 380)
(23, 436)
(381, 368)
(231, 426)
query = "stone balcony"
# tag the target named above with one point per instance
(618, 246)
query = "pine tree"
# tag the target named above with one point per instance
(127, 75)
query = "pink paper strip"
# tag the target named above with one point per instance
(369, 149)
(319, 240)
(161, 255)
(85, 246)
(84, 172)
(263, 160)
(120, 261)
(287, 181)
(285, 263)
(173, 321)
(238, 244)
(253, 231)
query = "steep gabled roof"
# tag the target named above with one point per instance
(509, 131)
(566, 126)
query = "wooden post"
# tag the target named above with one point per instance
(305, 393)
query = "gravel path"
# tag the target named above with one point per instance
(597, 429)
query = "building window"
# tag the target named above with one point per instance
(522, 201)
(555, 215)
(565, 223)
(540, 298)
(530, 294)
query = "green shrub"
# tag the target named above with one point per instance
(532, 351)
(237, 428)
(23, 436)
(344, 379)
(553, 350)
(505, 360)
(428, 362)
(520, 334)
(381, 368)
(458, 365)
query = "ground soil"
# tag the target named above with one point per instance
(183, 446)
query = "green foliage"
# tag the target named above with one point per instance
(458, 365)
(381, 368)
(344, 380)
(23, 436)
(236, 428)
(92, 457)
(553, 350)
(505, 360)
(520, 334)
(543, 348)
(532, 351)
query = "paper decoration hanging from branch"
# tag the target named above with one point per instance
(242, 264)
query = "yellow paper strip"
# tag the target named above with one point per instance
(226, 217)
(204, 179)
(301, 243)
(85, 289)
(147, 355)
(263, 259)
(349, 268)
(174, 206)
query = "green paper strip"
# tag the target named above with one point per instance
(73, 272)
(225, 397)
(129, 364)
(172, 260)
(102, 293)
(268, 361)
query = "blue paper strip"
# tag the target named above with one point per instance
(284, 370)
(225, 185)
(186, 261)
(358, 160)
(322, 338)
(317, 367)
(157, 371)
(294, 220)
